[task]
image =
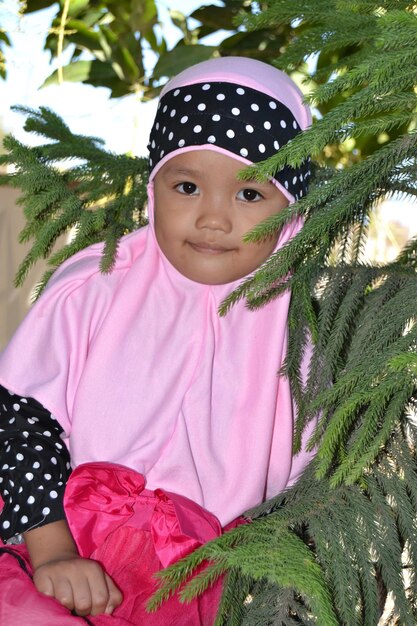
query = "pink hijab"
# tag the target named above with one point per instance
(140, 370)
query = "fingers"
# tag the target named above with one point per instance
(56, 586)
(80, 585)
(88, 593)
(63, 592)
(97, 594)
(100, 595)
(44, 584)
(115, 595)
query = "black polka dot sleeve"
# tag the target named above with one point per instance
(34, 465)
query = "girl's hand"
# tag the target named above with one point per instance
(79, 584)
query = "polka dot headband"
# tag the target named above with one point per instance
(228, 117)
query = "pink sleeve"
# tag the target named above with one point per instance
(46, 356)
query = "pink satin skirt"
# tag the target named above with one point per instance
(133, 533)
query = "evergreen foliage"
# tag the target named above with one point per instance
(99, 195)
(329, 549)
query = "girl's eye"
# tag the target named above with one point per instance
(190, 189)
(249, 195)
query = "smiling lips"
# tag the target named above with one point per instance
(208, 248)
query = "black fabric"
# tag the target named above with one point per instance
(34, 465)
(243, 121)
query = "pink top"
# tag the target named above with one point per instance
(139, 369)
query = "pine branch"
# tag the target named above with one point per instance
(373, 547)
(99, 197)
(236, 589)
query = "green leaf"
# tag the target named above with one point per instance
(219, 18)
(77, 6)
(38, 5)
(203, 31)
(93, 72)
(119, 55)
(153, 41)
(117, 87)
(257, 45)
(4, 37)
(110, 35)
(144, 15)
(84, 36)
(181, 57)
(129, 67)
(93, 16)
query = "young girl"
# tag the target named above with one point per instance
(172, 419)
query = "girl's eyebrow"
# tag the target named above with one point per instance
(182, 171)
(172, 170)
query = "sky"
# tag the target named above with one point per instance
(123, 123)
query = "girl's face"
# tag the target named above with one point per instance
(202, 212)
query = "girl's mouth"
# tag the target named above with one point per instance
(204, 247)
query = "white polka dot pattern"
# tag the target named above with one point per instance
(35, 465)
(239, 119)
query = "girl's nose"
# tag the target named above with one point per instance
(215, 215)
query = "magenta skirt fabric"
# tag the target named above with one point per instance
(133, 533)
